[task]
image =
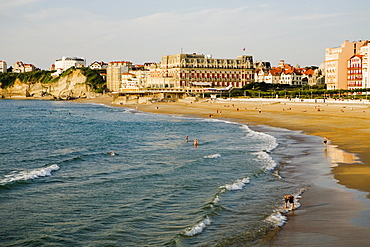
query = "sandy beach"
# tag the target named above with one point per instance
(335, 208)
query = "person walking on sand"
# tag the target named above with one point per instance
(290, 199)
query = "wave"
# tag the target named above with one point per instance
(267, 163)
(198, 228)
(213, 206)
(269, 142)
(277, 218)
(212, 156)
(216, 199)
(27, 175)
(237, 185)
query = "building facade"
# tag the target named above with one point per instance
(193, 70)
(114, 74)
(336, 63)
(354, 72)
(67, 62)
(3, 67)
(20, 67)
(291, 77)
(364, 51)
(98, 65)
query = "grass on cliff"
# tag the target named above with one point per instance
(93, 78)
(8, 79)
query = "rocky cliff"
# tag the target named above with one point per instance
(71, 86)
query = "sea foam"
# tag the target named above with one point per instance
(198, 228)
(269, 141)
(212, 156)
(27, 175)
(237, 185)
(276, 219)
(266, 160)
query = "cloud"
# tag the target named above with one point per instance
(16, 3)
(309, 17)
(42, 33)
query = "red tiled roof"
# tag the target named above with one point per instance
(309, 72)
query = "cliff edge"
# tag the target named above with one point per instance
(67, 86)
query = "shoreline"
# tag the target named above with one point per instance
(334, 209)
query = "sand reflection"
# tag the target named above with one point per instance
(338, 156)
(348, 170)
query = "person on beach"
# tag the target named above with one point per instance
(290, 199)
(325, 141)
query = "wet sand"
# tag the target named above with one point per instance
(335, 209)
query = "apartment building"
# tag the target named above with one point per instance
(193, 70)
(354, 72)
(114, 74)
(3, 67)
(336, 63)
(364, 51)
(65, 63)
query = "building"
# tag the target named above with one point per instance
(354, 72)
(3, 67)
(261, 71)
(336, 63)
(98, 65)
(114, 74)
(274, 76)
(29, 67)
(309, 77)
(193, 70)
(67, 62)
(260, 75)
(287, 74)
(130, 82)
(364, 51)
(20, 67)
(291, 77)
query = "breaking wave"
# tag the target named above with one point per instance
(27, 175)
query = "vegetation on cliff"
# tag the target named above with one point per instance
(8, 79)
(93, 78)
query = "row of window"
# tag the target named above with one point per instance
(214, 75)
(355, 71)
(352, 77)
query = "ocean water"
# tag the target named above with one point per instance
(60, 186)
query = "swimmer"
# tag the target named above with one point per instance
(112, 153)
(325, 141)
(187, 138)
(195, 142)
(290, 199)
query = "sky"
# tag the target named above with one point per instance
(41, 31)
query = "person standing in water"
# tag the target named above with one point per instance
(325, 141)
(195, 143)
(290, 199)
(187, 138)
